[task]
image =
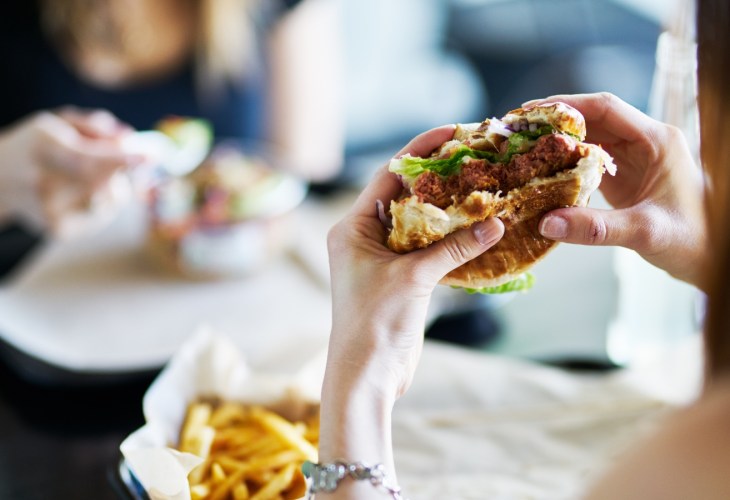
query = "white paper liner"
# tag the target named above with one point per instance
(207, 365)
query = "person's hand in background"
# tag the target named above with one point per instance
(380, 299)
(657, 193)
(57, 169)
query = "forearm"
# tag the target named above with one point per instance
(355, 427)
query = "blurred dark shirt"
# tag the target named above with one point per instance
(34, 78)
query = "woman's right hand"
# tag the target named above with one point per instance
(657, 193)
(56, 168)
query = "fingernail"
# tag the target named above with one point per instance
(488, 231)
(554, 227)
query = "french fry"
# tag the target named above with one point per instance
(240, 492)
(221, 491)
(297, 488)
(278, 483)
(262, 463)
(250, 453)
(236, 437)
(199, 491)
(227, 414)
(217, 474)
(263, 445)
(197, 436)
(285, 431)
(198, 474)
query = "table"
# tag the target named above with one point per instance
(60, 439)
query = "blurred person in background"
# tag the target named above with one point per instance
(380, 298)
(82, 74)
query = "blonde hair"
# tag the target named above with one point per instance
(224, 44)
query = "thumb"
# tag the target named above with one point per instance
(587, 226)
(461, 246)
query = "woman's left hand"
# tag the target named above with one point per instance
(379, 301)
(380, 298)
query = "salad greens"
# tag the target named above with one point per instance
(522, 283)
(411, 167)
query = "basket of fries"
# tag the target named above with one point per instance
(216, 430)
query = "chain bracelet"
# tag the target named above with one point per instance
(326, 477)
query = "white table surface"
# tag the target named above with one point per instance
(98, 304)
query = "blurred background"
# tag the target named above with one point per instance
(341, 85)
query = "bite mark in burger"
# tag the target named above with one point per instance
(518, 168)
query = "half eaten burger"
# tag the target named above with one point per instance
(530, 162)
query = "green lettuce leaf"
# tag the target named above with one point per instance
(411, 167)
(520, 284)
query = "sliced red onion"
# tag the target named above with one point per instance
(499, 128)
(384, 219)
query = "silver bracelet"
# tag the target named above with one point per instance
(326, 477)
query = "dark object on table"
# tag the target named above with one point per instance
(471, 328)
(61, 442)
(16, 244)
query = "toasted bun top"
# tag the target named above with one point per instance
(558, 114)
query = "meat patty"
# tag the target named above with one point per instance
(431, 188)
(551, 154)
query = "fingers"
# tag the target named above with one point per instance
(95, 161)
(607, 117)
(97, 124)
(459, 248)
(62, 147)
(69, 209)
(386, 186)
(587, 226)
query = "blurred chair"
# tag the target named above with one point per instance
(415, 64)
(525, 49)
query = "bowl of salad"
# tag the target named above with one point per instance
(226, 218)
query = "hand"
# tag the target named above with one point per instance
(657, 193)
(380, 297)
(57, 168)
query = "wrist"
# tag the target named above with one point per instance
(355, 426)
(355, 420)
